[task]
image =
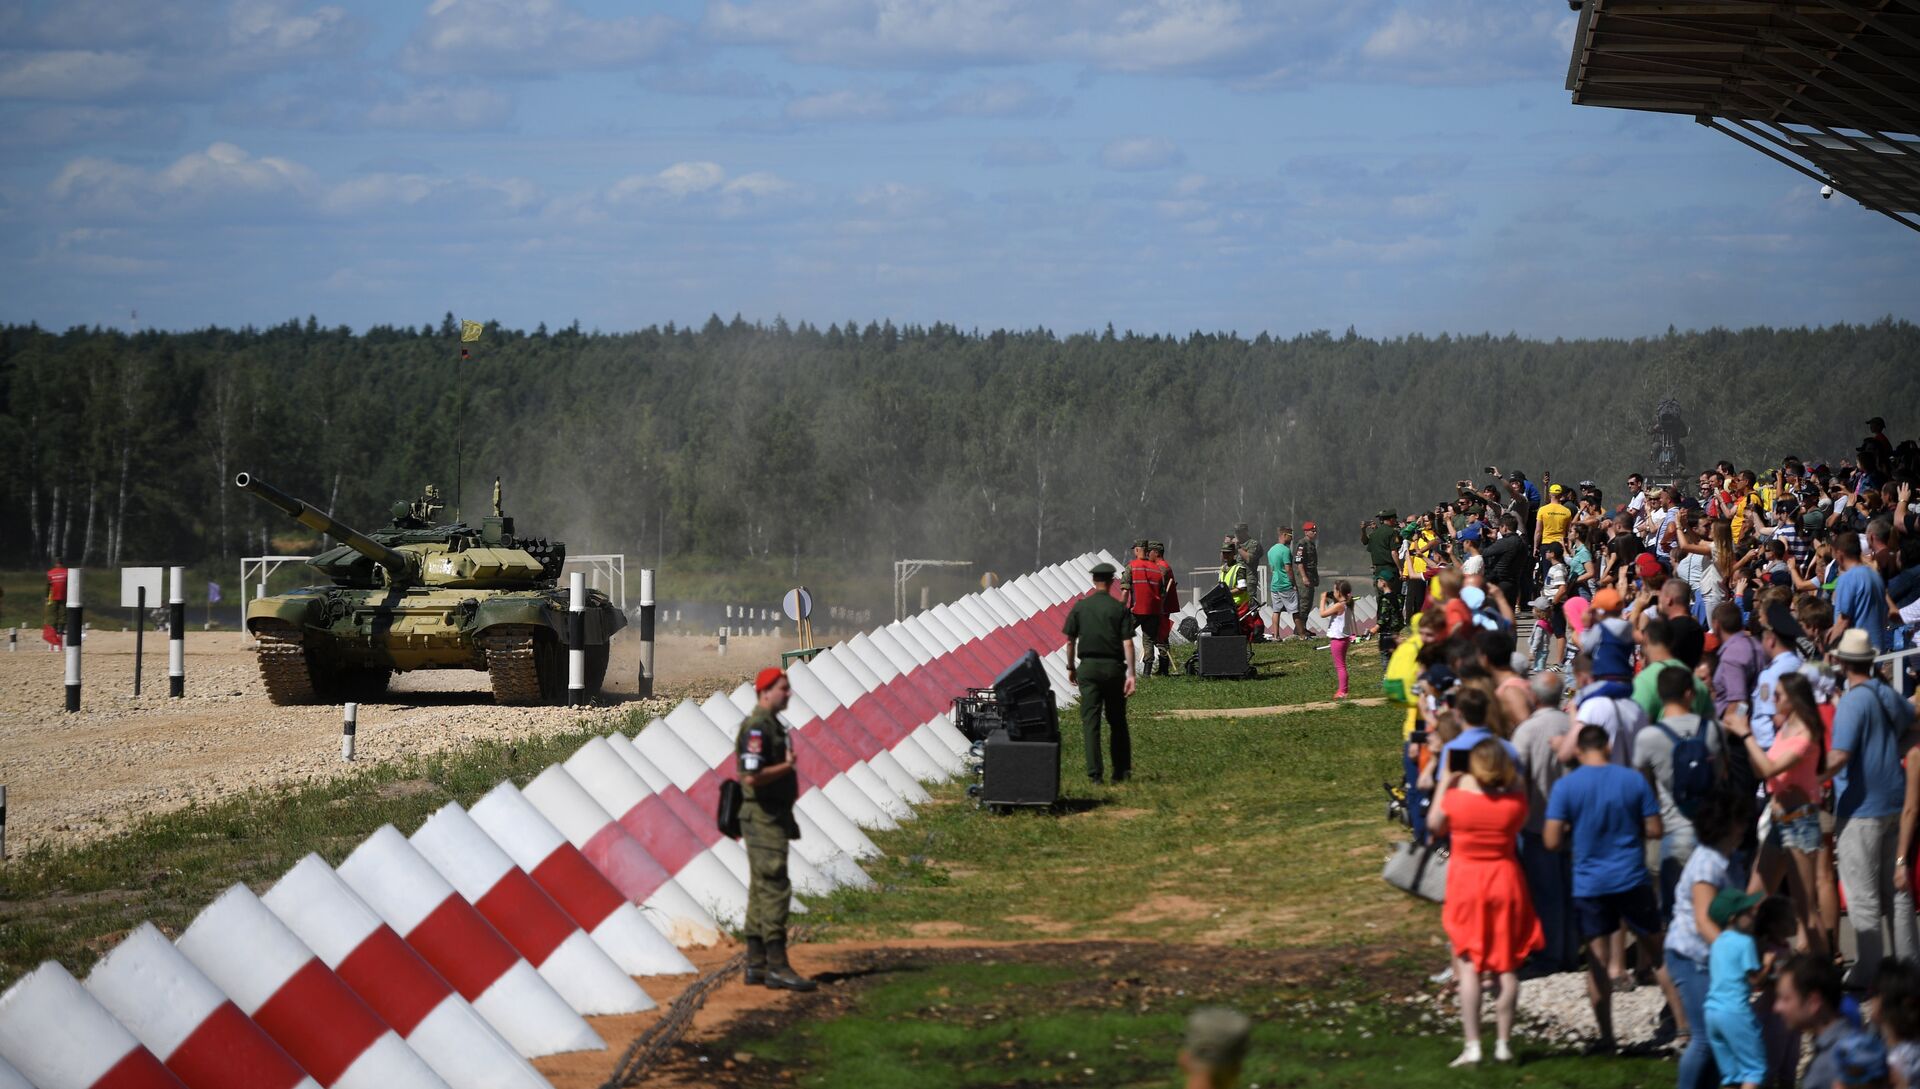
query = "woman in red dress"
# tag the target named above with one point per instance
(1488, 914)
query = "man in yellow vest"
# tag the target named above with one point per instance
(1233, 575)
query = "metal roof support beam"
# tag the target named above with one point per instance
(1893, 122)
(1714, 123)
(1872, 19)
(1845, 43)
(1898, 160)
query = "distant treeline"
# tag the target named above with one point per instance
(854, 445)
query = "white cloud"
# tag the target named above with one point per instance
(1467, 41)
(222, 176)
(1141, 153)
(97, 50)
(1022, 153)
(53, 126)
(530, 38)
(373, 194)
(1121, 35)
(845, 104)
(69, 74)
(443, 108)
(686, 186)
(1002, 98)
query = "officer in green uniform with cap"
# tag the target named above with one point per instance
(1382, 538)
(1100, 660)
(769, 788)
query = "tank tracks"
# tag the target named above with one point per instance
(513, 668)
(285, 671)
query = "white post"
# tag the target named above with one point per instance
(349, 721)
(177, 633)
(646, 631)
(577, 640)
(76, 632)
(723, 642)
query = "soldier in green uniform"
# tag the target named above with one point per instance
(1382, 538)
(1100, 660)
(767, 825)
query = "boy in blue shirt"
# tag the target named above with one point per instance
(1607, 812)
(1734, 970)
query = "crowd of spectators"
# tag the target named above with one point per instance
(1665, 738)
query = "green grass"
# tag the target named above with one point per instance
(73, 904)
(1106, 1016)
(1238, 830)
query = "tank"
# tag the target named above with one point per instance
(423, 594)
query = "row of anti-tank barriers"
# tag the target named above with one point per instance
(449, 958)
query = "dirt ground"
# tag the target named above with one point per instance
(72, 778)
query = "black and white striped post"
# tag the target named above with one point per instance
(577, 640)
(646, 631)
(3, 820)
(177, 633)
(13, 639)
(75, 631)
(349, 722)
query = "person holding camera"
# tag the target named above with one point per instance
(1336, 605)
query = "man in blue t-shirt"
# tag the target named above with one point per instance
(1859, 595)
(1870, 726)
(1612, 813)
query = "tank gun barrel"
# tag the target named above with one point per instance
(394, 561)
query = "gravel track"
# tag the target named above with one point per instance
(74, 778)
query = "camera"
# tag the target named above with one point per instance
(1491, 471)
(1826, 192)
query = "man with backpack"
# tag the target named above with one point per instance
(1683, 757)
(1870, 738)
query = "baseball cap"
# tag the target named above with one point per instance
(1606, 601)
(1781, 622)
(1516, 476)
(1730, 902)
(767, 678)
(1646, 565)
(1102, 571)
(1554, 489)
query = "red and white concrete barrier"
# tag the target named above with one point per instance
(691, 861)
(525, 915)
(396, 982)
(921, 716)
(891, 722)
(58, 1037)
(834, 763)
(620, 858)
(818, 776)
(675, 773)
(833, 837)
(188, 1023)
(276, 980)
(539, 848)
(838, 720)
(463, 947)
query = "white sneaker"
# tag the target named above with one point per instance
(1501, 1052)
(1444, 975)
(1469, 1056)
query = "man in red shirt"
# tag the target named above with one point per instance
(53, 623)
(1169, 604)
(1145, 581)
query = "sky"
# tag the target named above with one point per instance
(1399, 166)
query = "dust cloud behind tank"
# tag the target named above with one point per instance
(423, 594)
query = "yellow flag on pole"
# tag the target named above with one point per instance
(470, 331)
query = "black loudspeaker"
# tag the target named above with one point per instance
(1223, 655)
(1020, 772)
(1024, 698)
(1222, 617)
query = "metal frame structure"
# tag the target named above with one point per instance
(605, 571)
(1830, 88)
(903, 572)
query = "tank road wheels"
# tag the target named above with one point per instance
(528, 665)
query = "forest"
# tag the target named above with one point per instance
(779, 446)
